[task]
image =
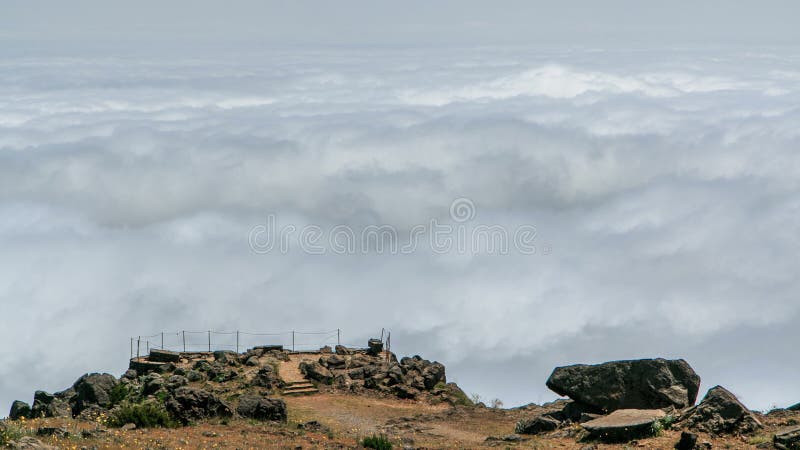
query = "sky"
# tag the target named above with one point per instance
(150, 153)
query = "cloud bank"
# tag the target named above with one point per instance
(664, 184)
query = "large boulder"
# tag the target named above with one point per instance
(721, 412)
(633, 384)
(624, 424)
(93, 389)
(51, 405)
(316, 371)
(188, 403)
(536, 425)
(787, 438)
(262, 408)
(19, 410)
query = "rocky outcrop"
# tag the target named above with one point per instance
(787, 438)
(188, 404)
(536, 425)
(19, 410)
(93, 389)
(52, 405)
(316, 371)
(262, 408)
(720, 412)
(633, 384)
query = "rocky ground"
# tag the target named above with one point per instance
(272, 398)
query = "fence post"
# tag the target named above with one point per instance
(209, 341)
(183, 334)
(162, 340)
(131, 347)
(237, 341)
(338, 336)
(138, 343)
(147, 343)
(292, 340)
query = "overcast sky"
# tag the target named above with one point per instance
(652, 146)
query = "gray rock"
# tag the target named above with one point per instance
(30, 443)
(787, 438)
(404, 391)
(342, 350)
(316, 371)
(251, 361)
(374, 347)
(188, 403)
(634, 384)
(262, 408)
(194, 376)
(688, 441)
(49, 405)
(226, 357)
(720, 412)
(536, 425)
(20, 410)
(52, 431)
(176, 381)
(624, 425)
(266, 378)
(93, 389)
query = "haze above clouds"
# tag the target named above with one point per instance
(662, 178)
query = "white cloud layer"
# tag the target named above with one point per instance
(665, 183)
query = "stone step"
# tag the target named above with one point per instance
(300, 391)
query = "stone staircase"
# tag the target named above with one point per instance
(299, 388)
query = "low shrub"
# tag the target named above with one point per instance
(378, 442)
(143, 415)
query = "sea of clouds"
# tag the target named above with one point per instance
(663, 187)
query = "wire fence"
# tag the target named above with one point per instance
(209, 341)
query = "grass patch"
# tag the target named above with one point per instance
(119, 393)
(9, 432)
(377, 442)
(664, 423)
(143, 415)
(759, 439)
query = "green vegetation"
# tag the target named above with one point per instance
(9, 432)
(664, 423)
(378, 442)
(143, 415)
(119, 393)
(760, 439)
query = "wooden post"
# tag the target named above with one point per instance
(138, 343)
(162, 340)
(338, 336)
(237, 341)
(292, 340)
(209, 341)
(131, 348)
(183, 334)
(147, 343)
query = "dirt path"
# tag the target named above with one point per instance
(289, 371)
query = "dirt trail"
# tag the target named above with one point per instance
(289, 371)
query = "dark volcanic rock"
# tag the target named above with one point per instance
(266, 378)
(634, 384)
(49, 405)
(688, 441)
(537, 425)
(262, 408)
(788, 438)
(189, 404)
(316, 371)
(720, 412)
(19, 410)
(374, 347)
(93, 389)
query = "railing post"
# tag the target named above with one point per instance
(209, 341)
(292, 340)
(138, 343)
(338, 336)
(183, 335)
(237, 341)
(162, 340)
(131, 347)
